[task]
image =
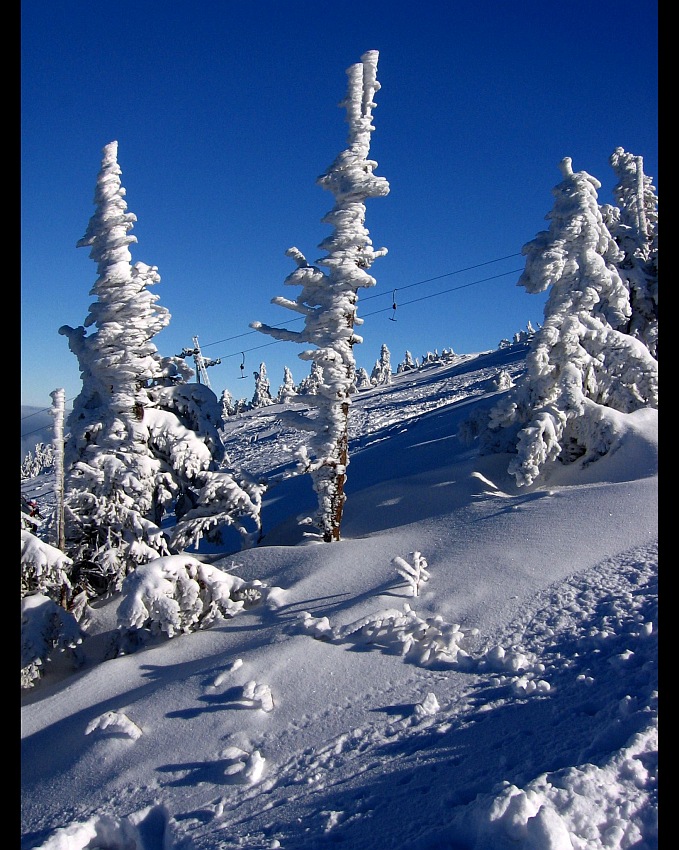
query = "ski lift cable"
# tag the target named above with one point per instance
(384, 309)
(442, 292)
(365, 315)
(376, 295)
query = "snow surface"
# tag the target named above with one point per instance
(510, 703)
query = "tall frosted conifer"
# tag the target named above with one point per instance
(262, 395)
(328, 300)
(635, 230)
(581, 364)
(287, 390)
(139, 436)
(381, 373)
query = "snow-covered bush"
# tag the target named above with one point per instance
(47, 630)
(115, 721)
(431, 358)
(423, 640)
(179, 594)
(503, 380)
(259, 694)
(245, 767)
(428, 707)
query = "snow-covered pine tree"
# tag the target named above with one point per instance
(44, 569)
(635, 230)
(381, 373)
(139, 438)
(241, 405)
(580, 364)
(58, 410)
(287, 389)
(431, 358)
(47, 631)
(362, 379)
(523, 336)
(312, 383)
(262, 395)
(41, 459)
(226, 405)
(328, 300)
(407, 364)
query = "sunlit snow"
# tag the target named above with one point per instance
(473, 666)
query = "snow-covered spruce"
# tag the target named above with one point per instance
(328, 299)
(140, 437)
(583, 368)
(40, 459)
(634, 226)
(287, 390)
(381, 373)
(262, 395)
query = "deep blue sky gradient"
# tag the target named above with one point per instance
(227, 112)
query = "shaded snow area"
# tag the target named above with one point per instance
(472, 667)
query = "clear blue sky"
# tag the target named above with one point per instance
(227, 112)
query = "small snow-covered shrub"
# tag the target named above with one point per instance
(415, 574)
(259, 694)
(117, 722)
(318, 627)
(178, 594)
(46, 629)
(428, 707)
(247, 768)
(424, 640)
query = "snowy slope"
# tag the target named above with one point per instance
(511, 704)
